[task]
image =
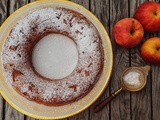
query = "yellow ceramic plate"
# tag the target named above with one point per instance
(39, 111)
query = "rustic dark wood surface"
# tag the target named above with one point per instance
(142, 105)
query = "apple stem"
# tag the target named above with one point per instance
(133, 26)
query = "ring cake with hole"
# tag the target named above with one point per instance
(21, 64)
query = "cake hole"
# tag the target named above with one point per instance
(55, 56)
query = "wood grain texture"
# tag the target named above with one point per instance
(140, 101)
(155, 85)
(120, 107)
(3, 16)
(3, 11)
(2, 101)
(155, 78)
(11, 113)
(13, 5)
(1, 108)
(84, 3)
(28, 118)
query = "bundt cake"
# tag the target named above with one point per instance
(20, 72)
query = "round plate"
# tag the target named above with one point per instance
(40, 111)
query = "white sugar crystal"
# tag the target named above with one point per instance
(132, 78)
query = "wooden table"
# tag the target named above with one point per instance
(143, 105)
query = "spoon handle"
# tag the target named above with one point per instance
(100, 106)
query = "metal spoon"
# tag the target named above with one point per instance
(133, 87)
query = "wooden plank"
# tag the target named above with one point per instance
(142, 101)
(1, 108)
(11, 113)
(84, 3)
(29, 1)
(3, 10)
(13, 5)
(120, 106)
(3, 15)
(155, 78)
(101, 10)
(28, 118)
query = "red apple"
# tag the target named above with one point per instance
(128, 32)
(150, 50)
(148, 14)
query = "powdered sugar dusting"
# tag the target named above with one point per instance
(132, 78)
(36, 24)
